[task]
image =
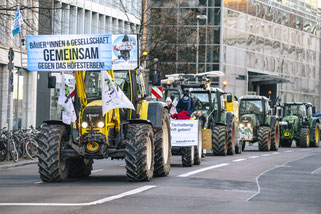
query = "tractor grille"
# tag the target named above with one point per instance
(96, 115)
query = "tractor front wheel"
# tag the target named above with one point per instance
(50, 140)
(315, 135)
(304, 138)
(275, 137)
(264, 138)
(219, 140)
(140, 150)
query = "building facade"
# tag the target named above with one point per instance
(260, 45)
(17, 103)
(81, 17)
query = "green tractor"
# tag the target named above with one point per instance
(210, 101)
(298, 124)
(257, 124)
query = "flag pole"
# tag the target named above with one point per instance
(19, 70)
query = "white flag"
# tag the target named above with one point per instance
(69, 115)
(113, 97)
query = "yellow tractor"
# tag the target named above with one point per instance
(140, 136)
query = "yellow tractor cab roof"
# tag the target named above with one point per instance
(95, 103)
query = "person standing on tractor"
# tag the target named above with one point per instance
(185, 106)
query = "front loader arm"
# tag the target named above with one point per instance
(79, 77)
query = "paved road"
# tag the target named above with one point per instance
(287, 181)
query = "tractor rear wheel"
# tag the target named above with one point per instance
(315, 135)
(219, 140)
(231, 138)
(187, 156)
(163, 147)
(79, 167)
(50, 141)
(139, 153)
(275, 137)
(304, 138)
(264, 138)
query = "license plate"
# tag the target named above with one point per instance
(286, 134)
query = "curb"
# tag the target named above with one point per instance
(19, 163)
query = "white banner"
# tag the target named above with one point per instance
(69, 114)
(82, 52)
(184, 132)
(112, 96)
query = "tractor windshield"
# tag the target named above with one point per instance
(93, 85)
(201, 100)
(251, 107)
(296, 109)
(123, 81)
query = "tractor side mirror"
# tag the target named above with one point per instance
(51, 82)
(155, 79)
(280, 113)
(313, 109)
(229, 98)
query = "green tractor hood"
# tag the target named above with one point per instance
(289, 125)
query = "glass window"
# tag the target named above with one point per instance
(201, 100)
(213, 53)
(251, 106)
(213, 35)
(295, 109)
(93, 85)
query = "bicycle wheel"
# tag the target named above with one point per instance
(3, 151)
(13, 152)
(31, 149)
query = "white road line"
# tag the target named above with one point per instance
(257, 178)
(315, 171)
(97, 170)
(203, 170)
(238, 160)
(252, 157)
(123, 165)
(38, 182)
(289, 151)
(265, 155)
(275, 153)
(101, 201)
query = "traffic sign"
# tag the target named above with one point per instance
(157, 92)
(10, 55)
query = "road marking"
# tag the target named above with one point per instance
(275, 153)
(252, 157)
(203, 170)
(97, 170)
(315, 171)
(38, 182)
(101, 201)
(238, 160)
(123, 165)
(265, 155)
(237, 190)
(289, 151)
(275, 167)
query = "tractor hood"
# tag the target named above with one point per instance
(248, 119)
(289, 119)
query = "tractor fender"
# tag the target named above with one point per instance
(273, 121)
(153, 112)
(229, 117)
(314, 121)
(139, 121)
(59, 122)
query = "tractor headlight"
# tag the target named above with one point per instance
(241, 125)
(100, 124)
(84, 125)
(291, 121)
(249, 125)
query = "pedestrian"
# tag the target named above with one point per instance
(186, 104)
(201, 117)
(171, 108)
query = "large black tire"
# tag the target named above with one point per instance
(50, 140)
(231, 137)
(304, 141)
(264, 138)
(140, 150)
(163, 147)
(187, 156)
(315, 138)
(275, 137)
(219, 140)
(286, 143)
(79, 167)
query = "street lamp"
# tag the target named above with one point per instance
(198, 17)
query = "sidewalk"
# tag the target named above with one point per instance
(11, 164)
